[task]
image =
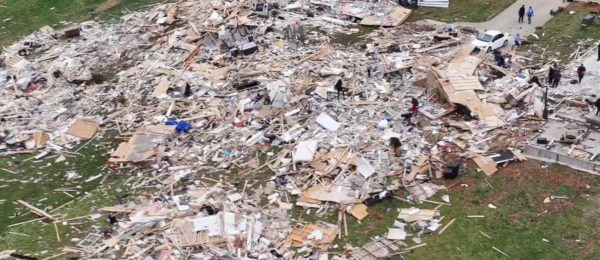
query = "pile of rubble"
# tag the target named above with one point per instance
(239, 88)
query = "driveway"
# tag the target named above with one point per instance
(508, 20)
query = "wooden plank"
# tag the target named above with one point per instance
(487, 165)
(116, 209)
(111, 242)
(465, 83)
(417, 167)
(161, 88)
(40, 139)
(447, 226)
(171, 14)
(439, 45)
(359, 103)
(519, 155)
(423, 214)
(36, 210)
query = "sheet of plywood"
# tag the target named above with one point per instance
(279, 44)
(161, 88)
(487, 165)
(338, 194)
(359, 211)
(465, 82)
(120, 153)
(423, 214)
(40, 139)
(83, 128)
(324, 51)
(399, 15)
(463, 62)
(219, 73)
(299, 236)
(469, 99)
(200, 67)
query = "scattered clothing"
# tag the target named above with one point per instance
(181, 126)
(529, 14)
(580, 73)
(521, 13)
(407, 118)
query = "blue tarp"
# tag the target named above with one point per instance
(182, 126)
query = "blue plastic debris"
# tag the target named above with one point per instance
(182, 126)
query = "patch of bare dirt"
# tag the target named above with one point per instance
(580, 6)
(107, 5)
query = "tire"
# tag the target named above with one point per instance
(505, 43)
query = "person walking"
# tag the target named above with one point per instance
(598, 51)
(521, 13)
(396, 144)
(415, 106)
(556, 78)
(339, 88)
(529, 14)
(580, 72)
(499, 59)
(551, 71)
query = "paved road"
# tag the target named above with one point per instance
(508, 20)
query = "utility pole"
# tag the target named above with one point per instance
(545, 114)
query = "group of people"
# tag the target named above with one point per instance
(522, 14)
(555, 75)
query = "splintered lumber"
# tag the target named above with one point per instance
(500, 251)
(193, 53)
(56, 230)
(417, 167)
(447, 226)
(36, 210)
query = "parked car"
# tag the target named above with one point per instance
(491, 40)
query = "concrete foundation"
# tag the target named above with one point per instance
(555, 155)
(554, 130)
(592, 118)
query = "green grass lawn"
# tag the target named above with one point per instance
(36, 180)
(39, 238)
(521, 221)
(463, 11)
(22, 17)
(561, 34)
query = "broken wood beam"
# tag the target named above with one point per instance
(36, 210)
